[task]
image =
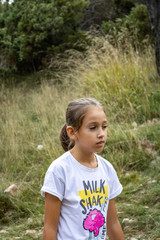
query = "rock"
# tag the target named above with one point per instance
(127, 220)
(146, 207)
(134, 124)
(149, 122)
(151, 151)
(40, 147)
(30, 220)
(152, 181)
(13, 190)
(30, 232)
(3, 231)
(153, 121)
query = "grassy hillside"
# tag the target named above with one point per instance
(32, 115)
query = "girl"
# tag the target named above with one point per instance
(80, 186)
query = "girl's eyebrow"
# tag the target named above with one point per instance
(104, 122)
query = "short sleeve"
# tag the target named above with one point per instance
(53, 185)
(115, 185)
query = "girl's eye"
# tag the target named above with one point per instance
(105, 126)
(92, 128)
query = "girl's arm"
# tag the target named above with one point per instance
(51, 217)
(113, 226)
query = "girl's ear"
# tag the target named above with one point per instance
(71, 133)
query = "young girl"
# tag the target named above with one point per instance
(80, 186)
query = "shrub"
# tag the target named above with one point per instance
(30, 30)
(134, 28)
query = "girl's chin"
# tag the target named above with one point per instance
(98, 150)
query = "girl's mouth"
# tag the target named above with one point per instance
(101, 143)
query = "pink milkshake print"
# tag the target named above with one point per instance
(94, 221)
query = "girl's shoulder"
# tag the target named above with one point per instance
(55, 177)
(60, 166)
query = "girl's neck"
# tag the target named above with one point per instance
(87, 159)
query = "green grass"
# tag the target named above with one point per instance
(140, 203)
(127, 86)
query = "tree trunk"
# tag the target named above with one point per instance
(153, 7)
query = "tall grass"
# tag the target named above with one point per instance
(28, 120)
(126, 85)
(124, 81)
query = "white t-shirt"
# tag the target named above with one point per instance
(84, 195)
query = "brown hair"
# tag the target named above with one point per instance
(75, 114)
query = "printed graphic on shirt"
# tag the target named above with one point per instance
(94, 221)
(94, 198)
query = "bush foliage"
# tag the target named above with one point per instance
(30, 30)
(133, 28)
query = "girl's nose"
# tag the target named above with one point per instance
(101, 133)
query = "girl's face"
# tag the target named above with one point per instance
(92, 135)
